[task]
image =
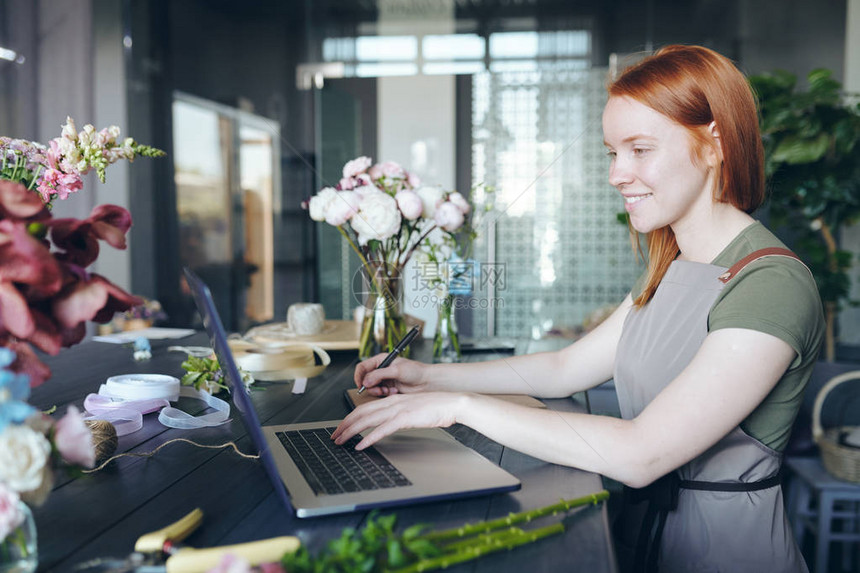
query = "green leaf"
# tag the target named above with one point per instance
(396, 557)
(794, 150)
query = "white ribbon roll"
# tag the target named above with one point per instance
(141, 387)
(122, 400)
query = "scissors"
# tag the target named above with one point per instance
(159, 552)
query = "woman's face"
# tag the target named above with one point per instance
(652, 167)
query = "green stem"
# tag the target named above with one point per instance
(513, 518)
(474, 552)
(35, 177)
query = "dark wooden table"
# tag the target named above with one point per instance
(103, 514)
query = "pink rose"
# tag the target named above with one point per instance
(346, 184)
(343, 208)
(413, 180)
(74, 440)
(11, 515)
(356, 166)
(410, 204)
(457, 199)
(449, 216)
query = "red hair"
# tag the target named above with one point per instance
(694, 86)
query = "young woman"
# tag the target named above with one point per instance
(710, 352)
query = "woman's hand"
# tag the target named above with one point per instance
(402, 376)
(399, 412)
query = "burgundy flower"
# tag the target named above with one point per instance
(16, 201)
(79, 239)
(95, 298)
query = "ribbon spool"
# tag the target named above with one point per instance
(289, 362)
(123, 400)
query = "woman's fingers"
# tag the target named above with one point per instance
(396, 413)
(364, 367)
(360, 419)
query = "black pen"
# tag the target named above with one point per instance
(404, 342)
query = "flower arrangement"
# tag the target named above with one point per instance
(32, 446)
(46, 293)
(385, 213)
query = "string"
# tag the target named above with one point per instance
(155, 451)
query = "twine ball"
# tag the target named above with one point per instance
(306, 318)
(104, 438)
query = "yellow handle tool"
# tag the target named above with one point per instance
(177, 531)
(190, 560)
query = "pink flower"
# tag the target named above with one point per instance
(356, 166)
(343, 208)
(410, 204)
(457, 199)
(346, 184)
(392, 170)
(11, 515)
(449, 216)
(413, 180)
(74, 440)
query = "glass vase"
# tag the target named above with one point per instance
(18, 551)
(446, 343)
(384, 323)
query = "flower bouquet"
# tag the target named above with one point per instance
(385, 214)
(46, 293)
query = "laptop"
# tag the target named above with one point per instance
(313, 476)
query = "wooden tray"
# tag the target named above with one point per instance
(335, 335)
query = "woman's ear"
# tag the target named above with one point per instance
(714, 132)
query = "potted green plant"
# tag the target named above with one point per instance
(812, 161)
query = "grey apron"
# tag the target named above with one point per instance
(725, 531)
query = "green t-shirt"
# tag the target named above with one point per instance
(777, 296)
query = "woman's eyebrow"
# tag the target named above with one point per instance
(629, 138)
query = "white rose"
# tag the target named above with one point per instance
(320, 203)
(343, 208)
(457, 199)
(449, 216)
(23, 455)
(378, 218)
(431, 197)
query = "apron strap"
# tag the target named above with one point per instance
(754, 256)
(662, 497)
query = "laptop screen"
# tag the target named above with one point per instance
(243, 403)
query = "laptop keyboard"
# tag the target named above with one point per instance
(329, 468)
